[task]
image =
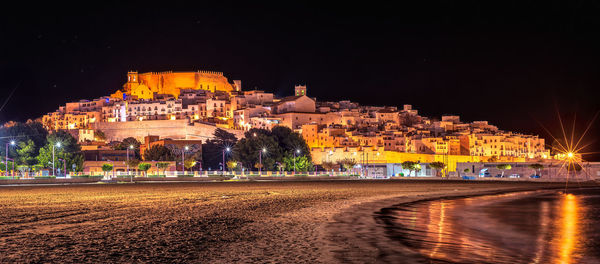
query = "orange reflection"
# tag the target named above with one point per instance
(440, 223)
(568, 229)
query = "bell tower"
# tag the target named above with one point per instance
(300, 90)
(132, 80)
(132, 77)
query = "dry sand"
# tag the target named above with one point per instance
(283, 222)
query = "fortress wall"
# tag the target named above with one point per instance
(174, 129)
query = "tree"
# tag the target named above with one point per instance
(281, 143)
(280, 166)
(437, 166)
(22, 169)
(328, 165)
(144, 167)
(248, 149)
(410, 166)
(302, 163)
(126, 143)
(23, 132)
(347, 163)
(289, 142)
(107, 167)
(536, 167)
(162, 166)
(158, 153)
(189, 163)
(232, 164)
(26, 153)
(503, 167)
(212, 150)
(133, 163)
(69, 151)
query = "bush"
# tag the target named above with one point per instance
(156, 176)
(185, 176)
(301, 175)
(9, 177)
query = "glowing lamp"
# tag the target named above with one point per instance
(570, 154)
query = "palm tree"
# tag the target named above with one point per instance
(437, 166)
(503, 167)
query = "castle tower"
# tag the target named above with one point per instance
(300, 90)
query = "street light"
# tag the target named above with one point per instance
(12, 143)
(260, 159)
(295, 152)
(53, 169)
(130, 177)
(183, 158)
(227, 149)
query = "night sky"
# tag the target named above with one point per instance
(511, 63)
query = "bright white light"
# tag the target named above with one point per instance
(297, 151)
(58, 144)
(264, 150)
(570, 154)
(131, 146)
(12, 142)
(186, 147)
(228, 149)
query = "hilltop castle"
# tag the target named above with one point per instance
(145, 85)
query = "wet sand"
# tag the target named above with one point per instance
(316, 222)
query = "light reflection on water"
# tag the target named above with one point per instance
(533, 227)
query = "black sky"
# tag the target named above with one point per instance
(510, 62)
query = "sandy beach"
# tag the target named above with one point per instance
(285, 222)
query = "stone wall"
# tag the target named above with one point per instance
(379, 156)
(174, 129)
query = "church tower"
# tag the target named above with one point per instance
(132, 80)
(300, 90)
(132, 77)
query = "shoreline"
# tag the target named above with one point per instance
(359, 234)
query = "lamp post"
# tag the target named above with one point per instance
(227, 149)
(295, 152)
(12, 143)
(183, 158)
(130, 176)
(53, 169)
(260, 159)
